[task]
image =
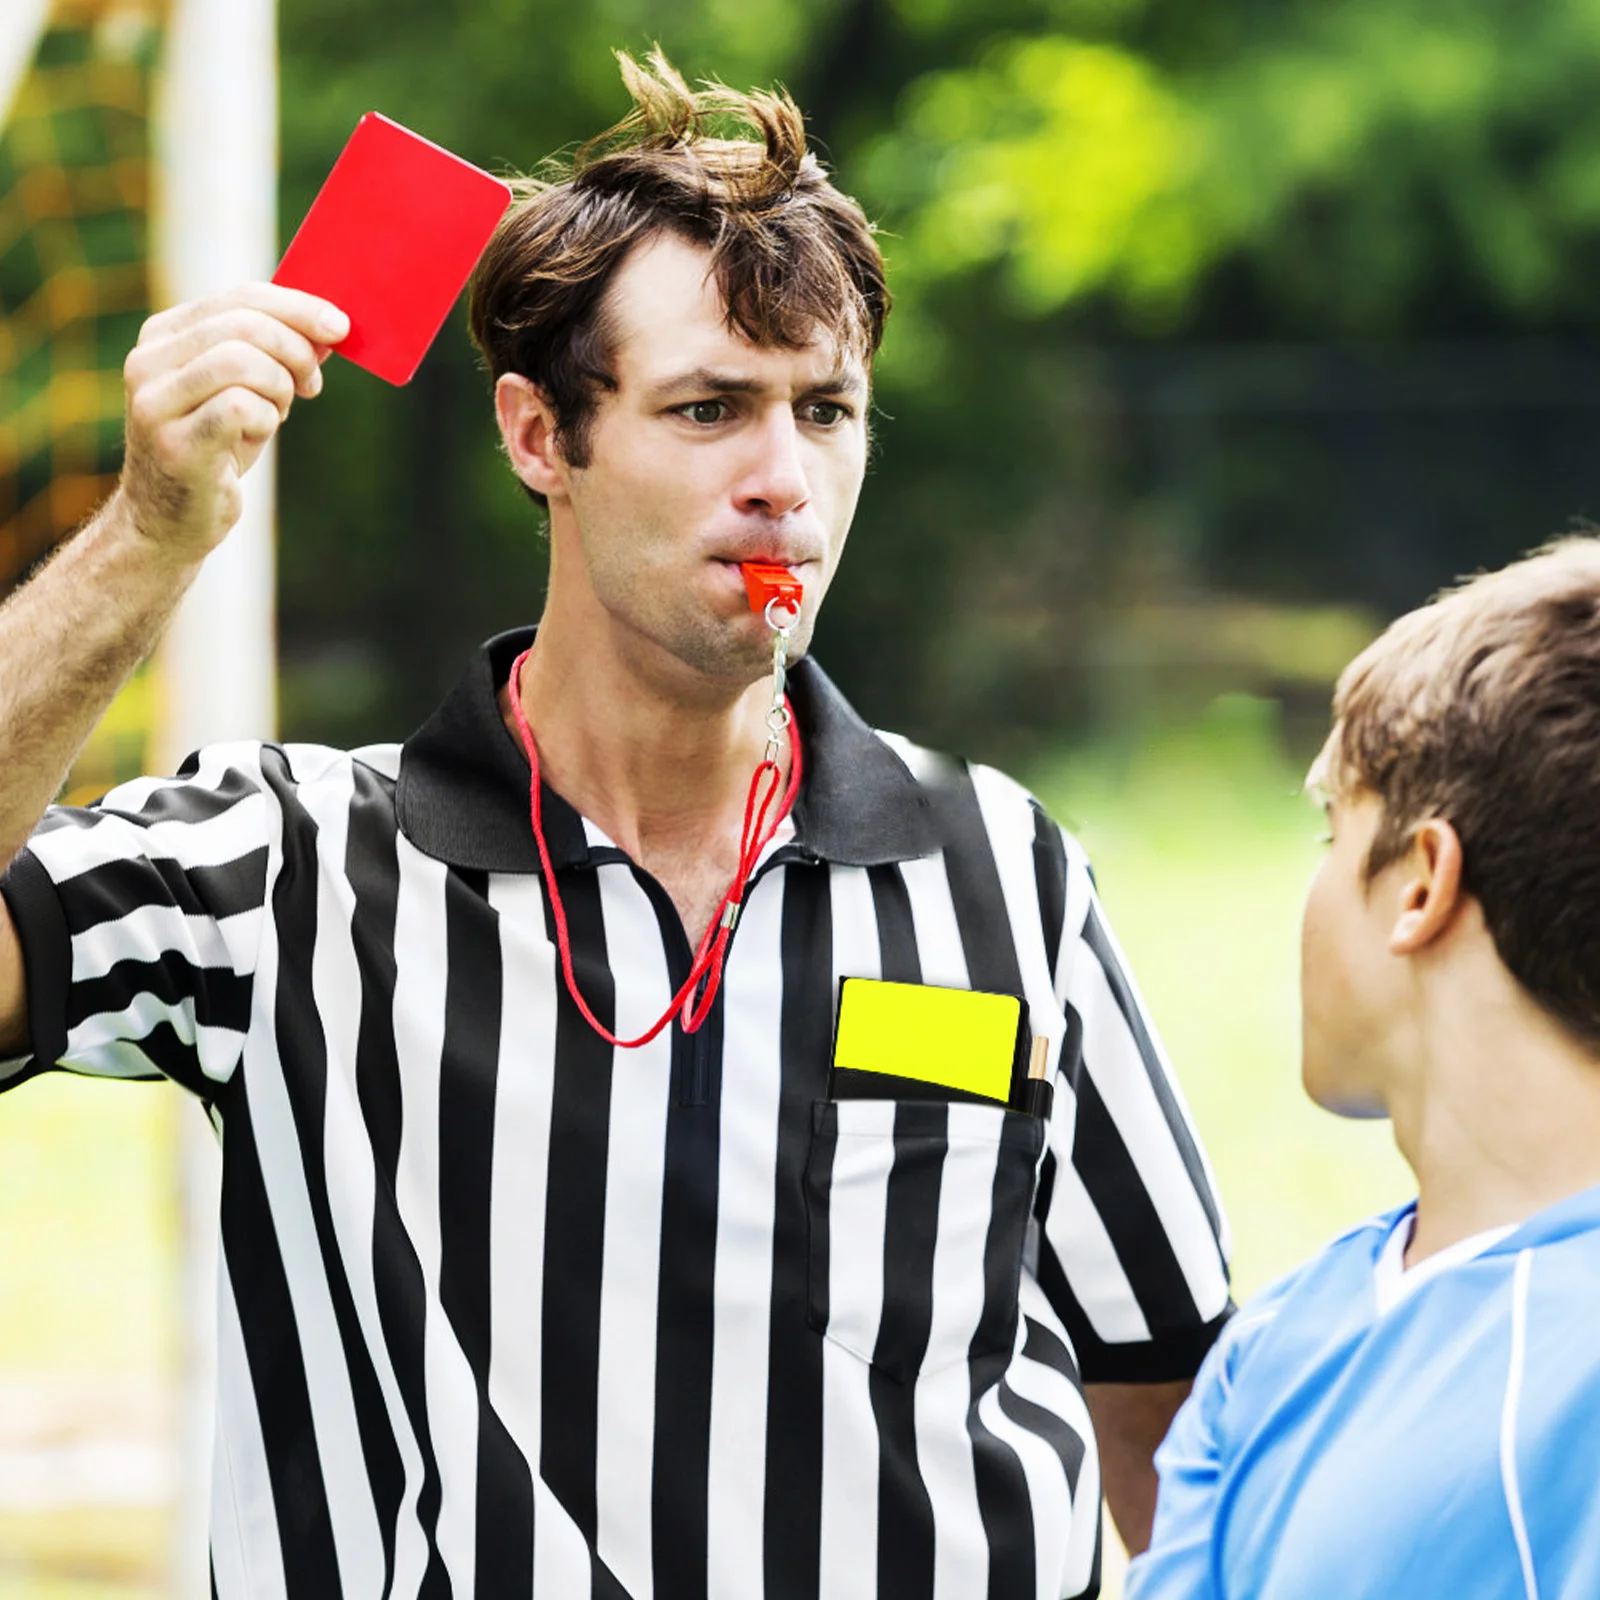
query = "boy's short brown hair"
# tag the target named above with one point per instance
(790, 253)
(1483, 709)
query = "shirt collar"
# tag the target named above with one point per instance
(1578, 1213)
(462, 795)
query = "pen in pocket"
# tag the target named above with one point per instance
(1037, 1094)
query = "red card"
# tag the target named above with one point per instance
(391, 238)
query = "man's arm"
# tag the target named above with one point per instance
(208, 385)
(1132, 1245)
(1130, 1420)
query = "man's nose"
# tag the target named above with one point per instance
(774, 481)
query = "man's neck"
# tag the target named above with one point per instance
(1503, 1117)
(662, 766)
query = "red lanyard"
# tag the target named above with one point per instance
(708, 959)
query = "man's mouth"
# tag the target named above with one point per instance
(791, 563)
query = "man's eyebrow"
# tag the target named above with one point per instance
(710, 381)
(842, 380)
(705, 380)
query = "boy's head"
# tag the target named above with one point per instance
(681, 326)
(1462, 779)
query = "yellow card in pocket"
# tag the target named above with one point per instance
(952, 1042)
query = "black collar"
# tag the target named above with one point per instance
(463, 791)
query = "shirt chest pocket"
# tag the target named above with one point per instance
(917, 1214)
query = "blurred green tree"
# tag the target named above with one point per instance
(1354, 157)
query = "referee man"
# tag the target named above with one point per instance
(507, 1306)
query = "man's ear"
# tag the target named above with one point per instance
(1430, 876)
(528, 429)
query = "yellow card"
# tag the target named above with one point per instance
(954, 1038)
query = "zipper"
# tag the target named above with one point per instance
(697, 1077)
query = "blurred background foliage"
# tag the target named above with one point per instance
(1222, 332)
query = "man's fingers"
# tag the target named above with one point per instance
(181, 345)
(237, 420)
(208, 386)
(236, 324)
(315, 318)
(235, 364)
(185, 452)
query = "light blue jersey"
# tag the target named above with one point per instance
(1443, 1445)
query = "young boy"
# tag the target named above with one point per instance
(1416, 1412)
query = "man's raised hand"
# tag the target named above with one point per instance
(208, 385)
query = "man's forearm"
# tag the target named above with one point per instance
(208, 386)
(69, 639)
(1130, 1420)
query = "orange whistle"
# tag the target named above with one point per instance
(765, 583)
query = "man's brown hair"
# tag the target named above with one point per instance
(789, 252)
(1483, 709)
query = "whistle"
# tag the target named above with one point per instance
(765, 583)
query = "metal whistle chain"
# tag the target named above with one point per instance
(776, 593)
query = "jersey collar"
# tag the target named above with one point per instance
(462, 795)
(1578, 1213)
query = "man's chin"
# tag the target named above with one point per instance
(730, 659)
(738, 652)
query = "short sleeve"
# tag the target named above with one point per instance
(1133, 1244)
(139, 919)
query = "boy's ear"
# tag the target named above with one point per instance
(528, 430)
(1430, 877)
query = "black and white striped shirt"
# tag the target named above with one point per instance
(503, 1310)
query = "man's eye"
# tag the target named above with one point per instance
(827, 413)
(706, 412)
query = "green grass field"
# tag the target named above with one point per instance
(1202, 847)
(89, 1281)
